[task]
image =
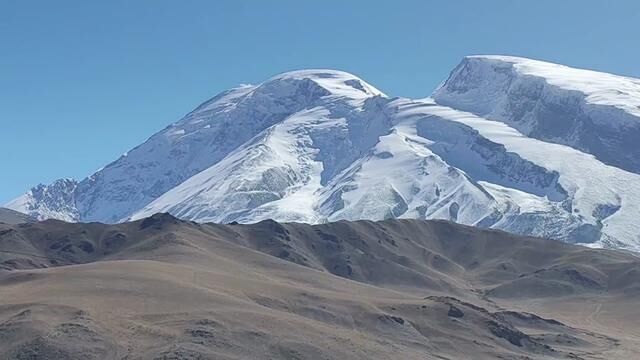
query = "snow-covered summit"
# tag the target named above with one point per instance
(600, 88)
(56, 200)
(337, 83)
(204, 137)
(595, 112)
(305, 85)
(505, 143)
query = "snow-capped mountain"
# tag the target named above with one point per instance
(53, 201)
(509, 143)
(595, 112)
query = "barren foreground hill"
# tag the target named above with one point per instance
(162, 288)
(9, 216)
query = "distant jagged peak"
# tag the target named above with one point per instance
(56, 200)
(60, 190)
(62, 183)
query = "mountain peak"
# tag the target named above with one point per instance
(505, 143)
(600, 88)
(56, 200)
(504, 58)
(298, 88)
(336, 82)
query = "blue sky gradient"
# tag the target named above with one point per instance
(81, 82)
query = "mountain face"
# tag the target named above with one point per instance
(594, 112)
(164, 288)
(509, 143)
(53, 201)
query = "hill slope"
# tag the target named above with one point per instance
(402, 289)
(9, 216)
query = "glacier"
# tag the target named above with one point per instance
(509, 143)
(595, 112)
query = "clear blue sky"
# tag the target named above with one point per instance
(83, 81)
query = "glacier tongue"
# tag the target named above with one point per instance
(507, 143)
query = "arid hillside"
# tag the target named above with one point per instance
(163, 288)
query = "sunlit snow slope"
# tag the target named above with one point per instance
(510, 143)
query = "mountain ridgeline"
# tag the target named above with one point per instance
(503, 143)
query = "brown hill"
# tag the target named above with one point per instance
(9, 216)
(162, 288)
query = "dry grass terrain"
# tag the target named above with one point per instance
(161, 288)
